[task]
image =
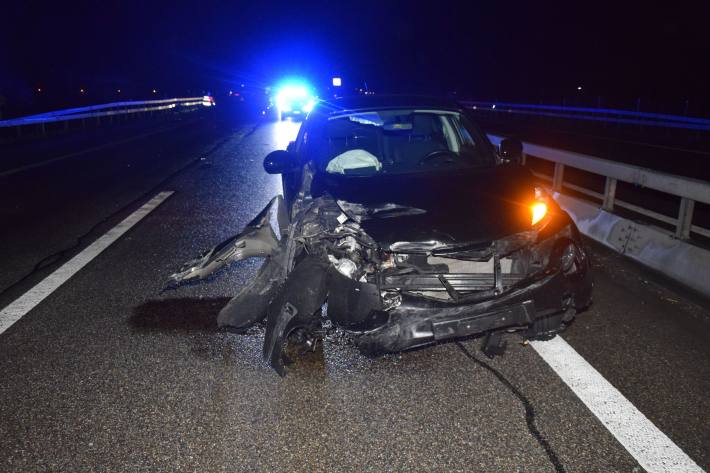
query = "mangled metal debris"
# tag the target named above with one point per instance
(401, 259)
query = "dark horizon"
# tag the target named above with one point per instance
(625, 56)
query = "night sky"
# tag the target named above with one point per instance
(518, 51)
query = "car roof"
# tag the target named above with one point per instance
(377, 102)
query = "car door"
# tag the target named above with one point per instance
(291, 181)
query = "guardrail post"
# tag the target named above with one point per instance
(609, 194)
(523, 159)
(44, 129)
(558, 177)
(685, 218)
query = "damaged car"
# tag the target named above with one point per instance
(402, 225)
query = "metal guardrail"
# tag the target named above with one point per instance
(689, 190)
(90, 108)
(607, 115)
(104, 110)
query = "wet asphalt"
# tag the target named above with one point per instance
(111, 374)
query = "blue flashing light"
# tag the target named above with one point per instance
(295, 97)
(309, 105)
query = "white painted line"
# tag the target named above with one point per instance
(654, 451)
(25, 303)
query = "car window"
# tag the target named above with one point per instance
(465, 136)
(391, 141)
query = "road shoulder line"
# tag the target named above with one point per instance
(25, 303)
(654, 451)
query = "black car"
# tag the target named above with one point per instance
(404, 226)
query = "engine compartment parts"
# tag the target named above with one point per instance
(396, 296)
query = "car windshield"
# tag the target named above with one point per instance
(396, 141)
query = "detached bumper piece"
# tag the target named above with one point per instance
(256, 240)
(296, 305)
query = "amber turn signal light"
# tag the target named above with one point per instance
(538, 211)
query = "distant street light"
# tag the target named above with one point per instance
(155, 91)
(579, 87)
(118, 91)
(81, 91)
(39, 89)
(337, 81)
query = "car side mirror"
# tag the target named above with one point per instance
(280, 162)
(511, 150)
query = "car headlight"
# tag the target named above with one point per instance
(538, 210)
(569, 259)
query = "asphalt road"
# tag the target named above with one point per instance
(111, 374)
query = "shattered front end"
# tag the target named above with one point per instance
(394, 296)
(421, 293)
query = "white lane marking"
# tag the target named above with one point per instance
(654, 451)
(25, 303)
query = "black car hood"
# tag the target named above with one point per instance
(457, 206)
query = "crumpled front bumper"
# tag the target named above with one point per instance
(539, 307)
